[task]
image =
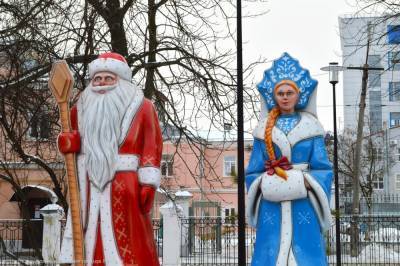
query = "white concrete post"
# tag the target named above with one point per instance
(171, 214)
(52, 214)
(182, 198)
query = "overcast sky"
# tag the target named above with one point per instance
(306, 29)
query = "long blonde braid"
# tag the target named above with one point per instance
(273, 115)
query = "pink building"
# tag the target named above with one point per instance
(208, 170)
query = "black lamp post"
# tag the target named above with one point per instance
(240, 142)
(334, 69)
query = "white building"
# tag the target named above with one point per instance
(382, 113)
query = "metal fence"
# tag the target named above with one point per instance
(18, 236)
(383, 204)
(377, 240)
(20, 241)
(158, 237)
(212, 241)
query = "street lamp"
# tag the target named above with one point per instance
(334, 69)
(240, 140)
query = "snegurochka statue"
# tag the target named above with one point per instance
(118, 145)
(289, 176)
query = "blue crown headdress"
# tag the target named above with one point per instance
(287, 68)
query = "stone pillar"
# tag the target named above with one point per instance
(52, 214)
(171, 214)
(183, 198)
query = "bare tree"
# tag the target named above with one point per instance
(182, 53)
(373, 166)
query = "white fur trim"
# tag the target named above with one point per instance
(254, 196)
(253, 201)
(280, 139)
(286, 234)
(110, 250)
(93, 216)
(150, 176)
(111, 65)
(130, 113)
(67, 252)
(276, 189)
(308, 127)
(292, 259)
(127, 162)
(320, 202)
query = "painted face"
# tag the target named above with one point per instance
(286, 98)
(104, 78)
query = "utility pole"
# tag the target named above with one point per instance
(356, 164)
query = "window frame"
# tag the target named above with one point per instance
(231, 162)
(36, 122)
(378, 182)
(392, 66)
(394, 124)
(393, 93)
(167, 163)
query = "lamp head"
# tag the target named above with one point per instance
(334, 72)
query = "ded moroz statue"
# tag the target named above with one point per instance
(289, 176)
(118, 144)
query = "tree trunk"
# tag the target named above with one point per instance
(118, 36)
(152, 29)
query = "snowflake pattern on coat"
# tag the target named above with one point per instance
(287, 122)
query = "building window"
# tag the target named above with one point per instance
(374, 77)
(229, 165)
(167, 165)
(398, 182)
(394, 119)
(39, 125)
(394, 91)
(377, 154)
(394, 60)
(393, 33)
(377, 181)
(397, 154)
(375, 110)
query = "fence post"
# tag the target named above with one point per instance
(171, 214)
(183, 198)
(52, 214)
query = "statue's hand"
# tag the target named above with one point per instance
(69, 142)
(147, 193)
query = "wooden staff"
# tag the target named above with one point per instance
(61, 83)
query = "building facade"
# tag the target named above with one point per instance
(382, 113)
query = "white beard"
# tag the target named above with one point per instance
(101, 118)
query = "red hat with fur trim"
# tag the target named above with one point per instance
(111, 62)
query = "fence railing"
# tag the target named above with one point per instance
(18, 237)
(377, 240)
(212, 241)
(383, 204)
(20, 241)
(158, 236)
